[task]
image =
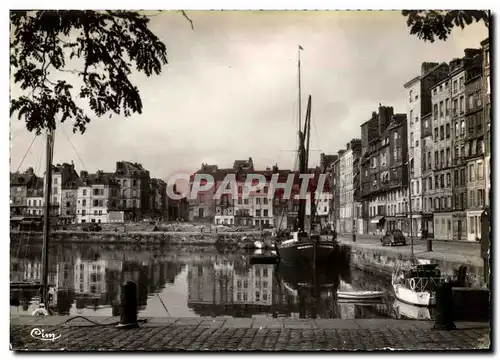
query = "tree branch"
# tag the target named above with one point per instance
(188, 19)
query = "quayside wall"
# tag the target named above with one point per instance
(383, 261)
(172, 238)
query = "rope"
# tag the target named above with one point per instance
(25, 154)
(73, 146)
(96, 323)
(163, 304)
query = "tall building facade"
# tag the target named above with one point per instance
(474, 143)
(134, 181)
(348, 196)
(441, 201)
(337, 190)
(457, 84)
(418, 105)
(384, 172)
(158, 198)
(485, 46)
(98, 196)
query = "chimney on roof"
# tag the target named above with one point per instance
(30, 171)
(470, 53)
(83, 174)
(427, 66)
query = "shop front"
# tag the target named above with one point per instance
(377, 225)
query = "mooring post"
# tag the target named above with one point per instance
(129, 306)
(444, 307)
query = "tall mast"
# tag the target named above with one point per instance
(46, 214)
(303, 164)
(300, 93)
(307, 131)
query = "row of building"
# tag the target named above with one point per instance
(128, 193)
(436, 153)
(258, 209)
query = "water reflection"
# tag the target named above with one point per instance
(190, 282)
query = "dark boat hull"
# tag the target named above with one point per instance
(306, 252)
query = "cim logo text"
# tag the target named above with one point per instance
(40, 334)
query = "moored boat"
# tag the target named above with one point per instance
(360, 295)
(305, 247)
(418, 285)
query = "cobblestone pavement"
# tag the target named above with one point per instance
(220, 334)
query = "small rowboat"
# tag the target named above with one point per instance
(360, 295)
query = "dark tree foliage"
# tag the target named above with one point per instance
(431, 24)
(104, 44)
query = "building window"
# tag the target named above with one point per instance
(436, 134)
(435, 111)
(441, 132)
(471, 198)
(471, 172)
(448, 131)
(441, 109)
(84, 192)
(480, 170)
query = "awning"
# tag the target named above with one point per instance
(376, 219)
(16, 218)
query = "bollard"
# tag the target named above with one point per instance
(444, 308)
(429, 245)
(129, 306)
(462, 275)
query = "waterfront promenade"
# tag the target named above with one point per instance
(245, 334)
(467, 253)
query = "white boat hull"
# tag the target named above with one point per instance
(419, 298)
(360, 295)
(412, 311)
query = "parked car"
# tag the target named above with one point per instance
(393, 237)
(92, 227)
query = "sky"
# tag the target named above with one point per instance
(230, 90)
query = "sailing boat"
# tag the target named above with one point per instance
(45, 290)
(305, 246)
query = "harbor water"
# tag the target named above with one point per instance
(193, 282)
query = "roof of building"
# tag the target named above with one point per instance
(243, 164)
(99, 178)
(20, 179)
(126, 168)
